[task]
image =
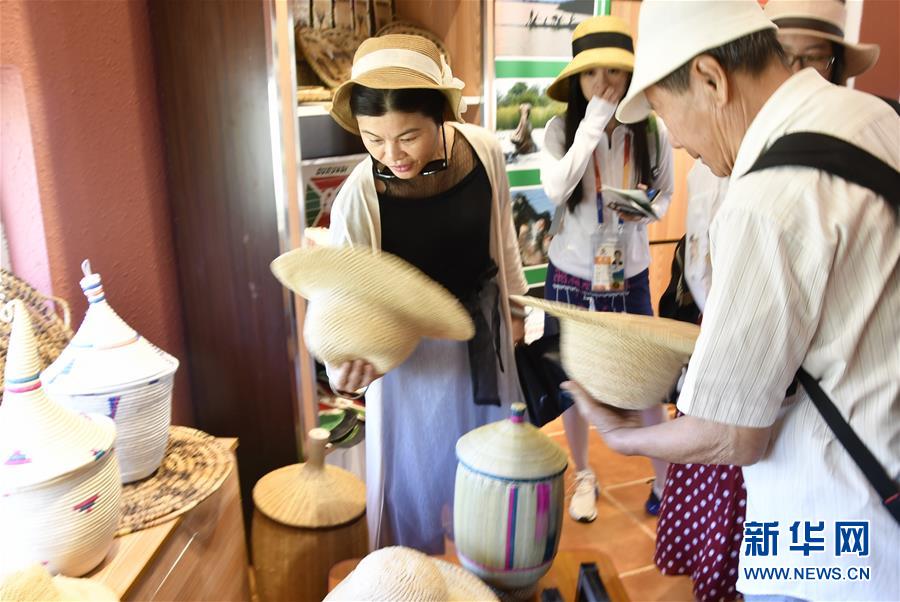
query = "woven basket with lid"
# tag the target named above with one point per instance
(508, 503)
(109, 368)
(308, 517)
(59, 478)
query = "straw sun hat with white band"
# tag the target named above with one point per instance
(398, 62)
(823, 19)
(360, 306)
(597, 42)
(625, 360)
(672, 33)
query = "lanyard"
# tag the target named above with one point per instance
(626, 175)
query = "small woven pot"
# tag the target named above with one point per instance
(308, 518)
(109, 368)
(624, 360)
(508, 503)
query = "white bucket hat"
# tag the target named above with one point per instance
(672, 32)
(403, 574)
(823, 19)
(625, 360)
(368, 305)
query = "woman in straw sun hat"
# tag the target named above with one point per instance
(433, 192)
(585, 149)
(812, 35)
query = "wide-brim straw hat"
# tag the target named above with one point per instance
(403, 574)
(39, 439)
(625, 360)
(672, 33)
(369, 305)
(35, 584)
(603, 41)
(823, 19)
(398, 62)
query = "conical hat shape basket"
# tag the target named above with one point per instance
(508, 502)
(624, 360)
(108, 367)
(308, 518)
(368, 305)
(59, 477)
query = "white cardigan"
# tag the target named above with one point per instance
(356, 220)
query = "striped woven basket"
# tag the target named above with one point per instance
(51, 326)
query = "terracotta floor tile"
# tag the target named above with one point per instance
(651, 585)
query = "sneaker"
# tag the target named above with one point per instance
(652, 504)
(583, 506)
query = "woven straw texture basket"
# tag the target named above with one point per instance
(508, 502)
(308, 518)
(625, 360)
(34, 582)
(52, 331)
(414, 29)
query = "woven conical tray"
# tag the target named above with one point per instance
(194, 467)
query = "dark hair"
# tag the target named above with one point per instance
(751, 54)
(575, 113)
(374, 102)
(839, 65)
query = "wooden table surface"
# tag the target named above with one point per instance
(563, 574)
(131, 554)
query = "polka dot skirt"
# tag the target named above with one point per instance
(701, 524)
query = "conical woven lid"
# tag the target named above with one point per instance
(106, 354)
(311, 495)
(39, 439)
(511, 449)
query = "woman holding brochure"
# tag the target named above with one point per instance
(586, 149)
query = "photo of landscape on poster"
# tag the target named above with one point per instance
(322, 179)
(532, 215)
(537, 28)
(522, 111)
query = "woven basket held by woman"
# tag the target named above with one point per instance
(52, 331)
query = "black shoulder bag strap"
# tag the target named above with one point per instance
(853, 164)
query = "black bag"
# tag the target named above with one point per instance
(540, 374)
(853, 164)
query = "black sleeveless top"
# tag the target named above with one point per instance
(446, 235)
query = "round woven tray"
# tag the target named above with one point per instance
(195, 465)
(51, 331)
(329, 52)
(414, 29)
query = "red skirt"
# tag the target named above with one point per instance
(700, 529)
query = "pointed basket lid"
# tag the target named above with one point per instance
(39, 439)
(106, 354)
(311, 495)
(511, 449)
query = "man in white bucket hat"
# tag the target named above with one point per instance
(806, 280)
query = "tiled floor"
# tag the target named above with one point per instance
(622, 529)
